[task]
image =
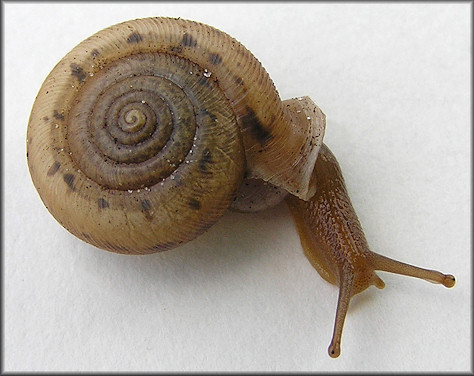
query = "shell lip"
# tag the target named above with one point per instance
(308, 127)
(317, 126)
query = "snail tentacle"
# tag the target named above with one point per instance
(144, 134)
(334, 242)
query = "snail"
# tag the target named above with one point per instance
(145, 133)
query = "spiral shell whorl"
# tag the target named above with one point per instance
(136, 124)
(140, 136)
(143, 152)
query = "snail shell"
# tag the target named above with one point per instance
(141, 136)
(146, 132)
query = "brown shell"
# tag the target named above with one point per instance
(140, 136)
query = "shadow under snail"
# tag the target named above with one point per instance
(145, 133)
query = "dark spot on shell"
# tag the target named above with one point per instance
(146, 209)
(134, 38)
(146, 204)
(215, 59)
(188, 41)
(238, 80)
(103, 203)
(54, 168)
(204, 81)
(205, 159)
(46, 118)
(69, 180)
(176, 49)
(205, 112)
(250, 121)
(58, 116)
(194, 204)
(94, 52)
(77, 72)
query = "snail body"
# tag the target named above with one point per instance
(145, 133)
(334, 242)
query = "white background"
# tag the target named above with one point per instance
(394, 82)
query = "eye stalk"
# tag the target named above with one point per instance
(335, 244)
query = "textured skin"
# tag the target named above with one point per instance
(141, 136)
(332, 236)
(335, 244)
